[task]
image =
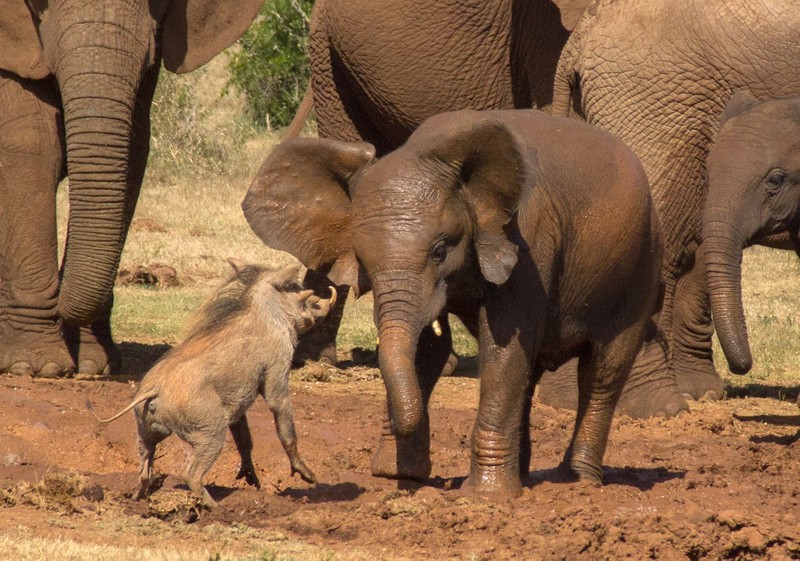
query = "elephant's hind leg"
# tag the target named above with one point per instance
(31, 164)
(602, 372)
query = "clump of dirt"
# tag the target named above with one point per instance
(160, 275)
(173, 505)
(145, 224)
(67, 492)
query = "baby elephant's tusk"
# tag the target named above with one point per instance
(437, 327)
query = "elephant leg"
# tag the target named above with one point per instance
(31, 165)
(92, 346)
(409, 457)
(602, 372)
(319, 343)
(692, 356)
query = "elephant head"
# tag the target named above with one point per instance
(427, 226)
(753, 197)
(104, 56)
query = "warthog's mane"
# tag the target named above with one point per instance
(226, 303)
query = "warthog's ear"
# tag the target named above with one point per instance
(299, 202)
(287, 278)
(493, 170)
(236, 264)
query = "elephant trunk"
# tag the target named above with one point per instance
(723, 249)
(98, 111)
(396, 355)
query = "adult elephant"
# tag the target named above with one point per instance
(658, 74)
(76, 83)
(753, 196)
(379, 69)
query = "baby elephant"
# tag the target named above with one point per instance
(240, 345)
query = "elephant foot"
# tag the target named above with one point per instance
(559, 389)
(496, 482)
(656, 395)
(651, 389)
(698, 379)
(42, 354)
(93, 349)
(402, 458)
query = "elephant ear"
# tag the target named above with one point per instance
(299, 203)
(571, 11)
(20, 48)
(740, 102)
(495, 172)
(195, 31)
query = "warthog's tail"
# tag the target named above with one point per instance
(145, 396)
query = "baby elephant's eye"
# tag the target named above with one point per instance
(439, 251)
(776, 179)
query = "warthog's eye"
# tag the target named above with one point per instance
(291, 286)
(439, 251)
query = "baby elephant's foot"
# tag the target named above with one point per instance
(248, 472)
(299, 466)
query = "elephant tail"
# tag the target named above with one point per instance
(296, 126)
(567, 85)
(144, 397)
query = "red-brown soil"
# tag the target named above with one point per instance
(720, 482)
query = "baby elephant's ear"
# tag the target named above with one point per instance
(496, 173)
(299, 203)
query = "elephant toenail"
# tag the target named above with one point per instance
(51, 370)
(21, 369)
(89, 367)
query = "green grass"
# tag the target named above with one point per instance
(772, 301)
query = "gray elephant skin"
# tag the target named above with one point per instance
(76, 83)
(537, 232)
(378, 69)
(753, 197)
(658, 74)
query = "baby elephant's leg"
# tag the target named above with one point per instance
(276, 394)
(244, 444)
(206, 447)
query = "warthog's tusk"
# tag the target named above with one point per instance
(333, 295)
(437, 327)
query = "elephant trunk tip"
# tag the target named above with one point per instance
(740, 364)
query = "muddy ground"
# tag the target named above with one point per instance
(720, 482)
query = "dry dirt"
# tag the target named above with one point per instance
(720, 482)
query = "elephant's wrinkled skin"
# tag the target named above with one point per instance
(753, 195)
(538, 232)
(658, 74)
(378, 69)
(76, 82)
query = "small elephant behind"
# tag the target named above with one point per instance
(753, 198)
(239, 346)
(538, 232)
